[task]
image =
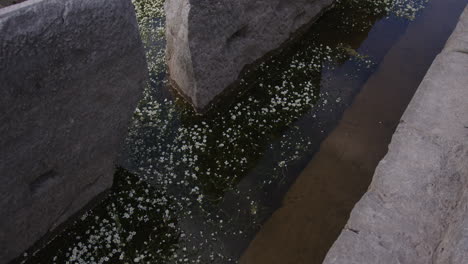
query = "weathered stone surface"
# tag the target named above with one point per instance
(4, 3)
(416, 209)
(210, 42)
(71, 73)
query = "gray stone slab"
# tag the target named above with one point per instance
(71, 74)
(210, 42)
(416, 209)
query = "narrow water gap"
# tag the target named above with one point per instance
(210, 188)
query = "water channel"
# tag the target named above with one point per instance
(270, 174)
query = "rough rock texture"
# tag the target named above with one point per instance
(416, 209)
(4, 3)
(210, 42)
(71, 73)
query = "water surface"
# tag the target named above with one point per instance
(197, 189)
(316, 208)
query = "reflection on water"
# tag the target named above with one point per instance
(202, 186)
(317, 206)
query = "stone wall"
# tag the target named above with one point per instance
(209, 43)
(416, 209)
(71, 74)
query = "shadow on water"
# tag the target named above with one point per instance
(201, 187)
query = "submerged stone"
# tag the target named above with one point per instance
(209, 43)
(71, 74)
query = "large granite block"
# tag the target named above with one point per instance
(210, 42)
(71, 74)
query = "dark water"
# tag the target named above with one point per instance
(201, 187)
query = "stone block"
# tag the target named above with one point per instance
(209, 43)
(71, 74)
